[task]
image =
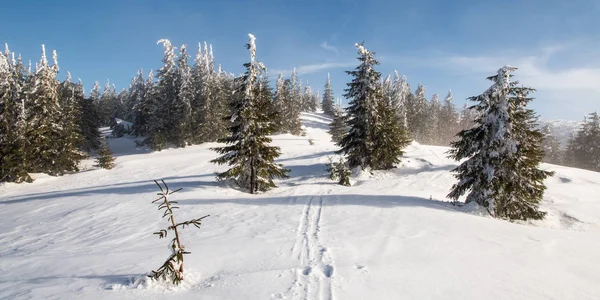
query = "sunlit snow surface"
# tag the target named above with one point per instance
(392, 235)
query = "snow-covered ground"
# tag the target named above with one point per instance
(392, 235)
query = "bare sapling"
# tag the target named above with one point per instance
(172, 268)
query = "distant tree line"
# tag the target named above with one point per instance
(582, 149)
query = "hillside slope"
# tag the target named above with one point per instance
(392, 235)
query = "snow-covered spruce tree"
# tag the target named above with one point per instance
(583, 150)
(389, 136)
(337, 127)
(248, 151)
(448, 121)
(399, 95)
(181, 105)
(363, 92)
(417, 114)
(343, 173)
(216, 109)
(497, 172)
(43, 130)
(338, 171)
(13, 166)
(291, 114)
(467, 118)
(172, 268)
(161, 122)
(523, 187)
(139, 113)
(70, 153)
(118, 110)
(431, 133)
(199, 76)
(553, 153)
(88, 121)
(315, 103)
(106, 104)
(296, 89)
(105, 160)
(328, 103)
(307, 99)
(279, 103)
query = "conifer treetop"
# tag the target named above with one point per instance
(43, 59)
(252, 46)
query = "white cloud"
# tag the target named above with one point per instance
(534, 70)
(313, 68)
(330, 48)
(563, 92)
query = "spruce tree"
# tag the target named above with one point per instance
(296, 90)
(551, 146)
(432, 126)
(88, 122)
(216, 109)
(337, 127)
(43, 130)
(215, 97)
(307, 99)
(106, 103)
(279, 103)
(248, 152)
(139, 106)
(502, 153)
(72, 139)
(328, 103)
(356, 144)
(13, 164)
(293, 112)
(523, 186)
(584, 148)
(389, 136)
(181, 105)
(448, 121)
(161, 122)
(417, 114)
(468, 116)
(400, 91)
(105, 160)
(199, 77)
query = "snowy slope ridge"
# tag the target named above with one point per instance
(392, 235)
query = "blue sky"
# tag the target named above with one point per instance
(441, 44)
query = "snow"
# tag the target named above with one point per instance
(392, 235)
(252, 46)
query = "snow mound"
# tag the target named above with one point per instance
(143, 282)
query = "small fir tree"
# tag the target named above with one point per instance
(105, 160)
(338, 171)
(337, 127)
(172, 268)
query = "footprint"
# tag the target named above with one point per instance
(565, 179)
(328, 271)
